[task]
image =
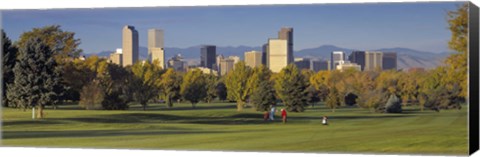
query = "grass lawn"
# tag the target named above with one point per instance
(218, 126)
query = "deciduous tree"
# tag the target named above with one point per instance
(236, 83)
(193, 87)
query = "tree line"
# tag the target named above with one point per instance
(43, 68)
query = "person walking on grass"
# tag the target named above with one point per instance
(284, 115)
(324, 120)
(272, 112)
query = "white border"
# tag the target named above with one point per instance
(49, 4)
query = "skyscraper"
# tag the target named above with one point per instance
(264, 54)
(358, 57)
(286, 33)
(373, 60)
(253, 58)
(208, 56)
(130, 45)
(335, 58)
(155, 46)
(389, 60)
(226, 65)
(277, 54)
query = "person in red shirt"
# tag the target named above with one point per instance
(284, 115)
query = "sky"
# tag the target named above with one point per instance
(369, 26)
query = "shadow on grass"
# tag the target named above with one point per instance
(29, 122)
(200, 107)
(96, 133)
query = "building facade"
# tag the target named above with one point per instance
(303, 63)
(344, 65)
(253, 58)
(358, 57)
(264, 54)
(286, 33)
(389, 61)
(320, 65)
(208, 56)
(336, 58)
(129, 45)
(277, 54)
(116, 57)
(373, 60)
(226, 65)
(176, 63)
(156, 49)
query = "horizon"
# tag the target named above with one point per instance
(420, 26)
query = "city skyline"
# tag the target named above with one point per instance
(315, 25)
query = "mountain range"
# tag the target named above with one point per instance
(406, 58)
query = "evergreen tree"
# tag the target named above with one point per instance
(36, 77)
(9, 57)
(264, 96)
(290, 87)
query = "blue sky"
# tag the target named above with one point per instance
(420, 26)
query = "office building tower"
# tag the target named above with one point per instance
(277, 54)
(389, 61)
(129, 45)
(208, 56)
(373, 60)
(217, 61)
(320, 65)
(116, 57)
(156, 50)
(358, 57)
(286, 33)
(302, 63)
(335, 58)
(264, 54)
(253, 58)
(226, 65)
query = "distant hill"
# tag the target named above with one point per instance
(406, 57)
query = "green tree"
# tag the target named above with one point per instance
(118, 87)
(221, 90)
(263, 97)
(259, 74)
(290, 87)
(145, 76)
(332, 100)
(62, 43)
(457, 63)
(193, 87)
(9, 53)
(170, 85)
(236, 82)
(211, 81)
(36, 77)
